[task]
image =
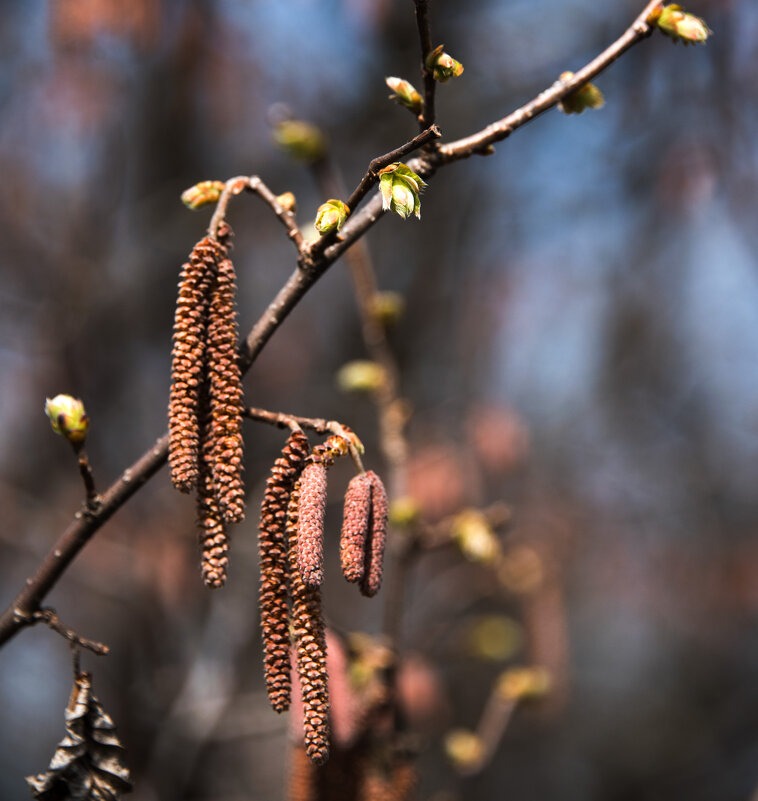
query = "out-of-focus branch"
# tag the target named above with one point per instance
(51, 619)
(312, 264)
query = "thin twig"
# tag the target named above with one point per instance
(379, 163)
(311, 266)
(50, 618)
(427, 115)
(482, 141)
(85, 471)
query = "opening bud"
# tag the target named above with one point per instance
(202, 194)
(331, 215)
(68, 418)
(587, 96)
(400, 188)
(679, 25)
(405, 94)
(287, 201)
(443, 66)
(300, 139)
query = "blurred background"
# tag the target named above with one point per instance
(578, 342)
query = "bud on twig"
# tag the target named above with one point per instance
(361, 376)
(202, 194)
(443, 66)
(330, 216)
(405, 94)
(287, 201)
(586, 96)
(300, 139)
(400, 188)
(68, 418)
(679, 25)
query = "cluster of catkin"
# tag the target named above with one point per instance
(205, 406)
(291, 544)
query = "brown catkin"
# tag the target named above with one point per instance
(214, 542)
(225, 389)
(188, 361)
(310, 644)
(310, 533)
(272, 548)
(372, 578)
(355, 525)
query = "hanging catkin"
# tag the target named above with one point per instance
(272, 546)
(372, 577)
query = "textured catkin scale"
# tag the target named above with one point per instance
(372, 578)
(225, 389)
(310, 535)
(309, 640)
(214, 542)
(188, 361)
(355, 527)
(272, 548)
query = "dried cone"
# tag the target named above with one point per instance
(310, 533)
(310, 644)
(372, 578)
(355, 527)
(188, 358)
(272, 547)
(225, 387)
(214, 542)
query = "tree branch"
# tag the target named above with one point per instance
(312, 265)
(426, 118)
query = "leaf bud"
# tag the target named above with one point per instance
(475, 537)
(679, 25)
(586, 96)
(404, 512)
(523, 683)
(287, 201)
(386, 307)
(443, 66)
(68, 418)
(330, 216)
(405, 93)
(361, 376)
(202, 194)
(464, 748)
(301, 140)
(400, 188)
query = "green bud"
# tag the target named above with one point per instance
(523, 683)
(68, 418)
(360, 376)
(331, 215)
(400, 188)
(586, 96)
(679, 25)
(404, 512)
(386, 307)
(300, 139)
(405, 94)
(202, 194)
(475, 537)
(464, 748)
(443, 66)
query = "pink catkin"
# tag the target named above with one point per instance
(310, 531)
(355, 527)
(372, 578)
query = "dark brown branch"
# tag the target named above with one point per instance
(51, 619)
(85, 471)
(310, 268)
(426, 118)
(380, 162)
(482, 141)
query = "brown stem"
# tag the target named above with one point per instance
(50, 618)
(426, 118)
(85, 471)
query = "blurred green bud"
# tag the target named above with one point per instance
(679, 25)
(68, 418)
(475, 537)
(202, 194)
(404, 511)
(494, 637)
(386, 307)
(524, 683)
(287, 201)
(360, 376)
(400, 188)
(331, 215)
(300, 139)
(464, 748)
(443, 66)
(587, 96)
(405, 94)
